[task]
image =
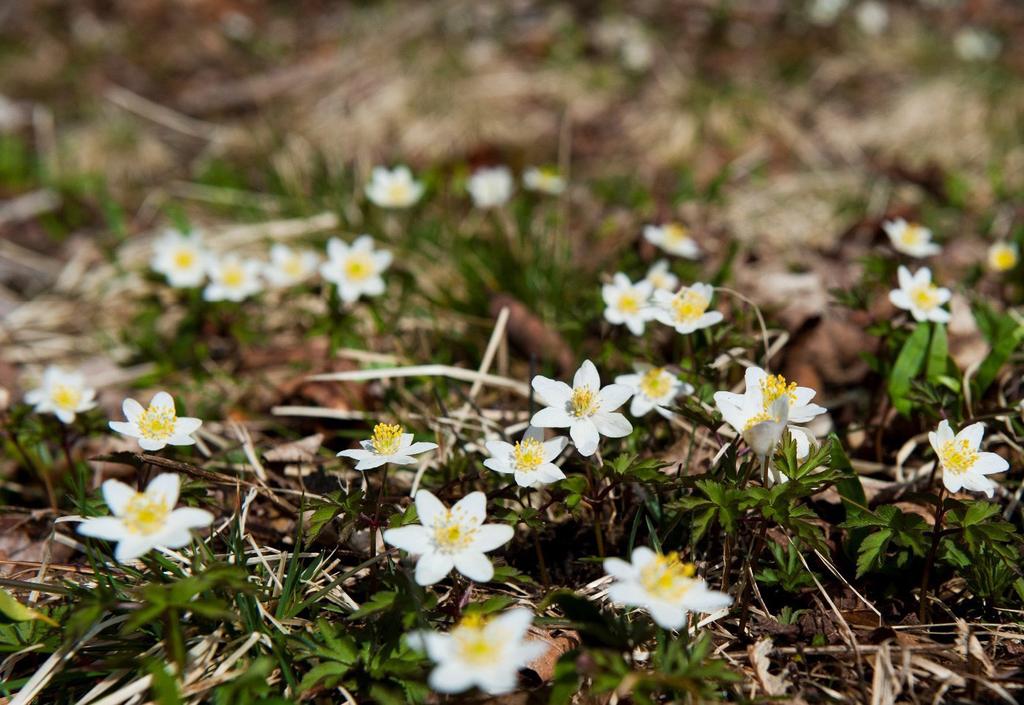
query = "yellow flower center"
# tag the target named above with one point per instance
(183, 259)
(359, 266)
(668, 578)
(233, 276)
(676, 233)
(398, 191)
(957, 456)
(773, 387)
(659, 280)
(629, 302)
(157, 423)
(583, 402)
(144, 514)
(471, 642)
(65, 397)
(925, 297)
(453, 533)
(689, 305)
(912, 235)
(758, 418)
(528, 454)
(655, 383)
(293, 266)
(387, 438)
(1003, 258)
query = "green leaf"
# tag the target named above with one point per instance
(17, 612)
(872, 549)
(378, 603)
(938, 354)
(908, 364)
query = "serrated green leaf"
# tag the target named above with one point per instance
(908, 365)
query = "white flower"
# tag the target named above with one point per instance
(181, 258)
(389, 444)
(490, 186)
(1003, 256)
(918, 295)
(825, 12)
(660, 277)
(767, 406)
(529, 460)
(544, 179)
(963, 465)
(142, 521)
(687, 309)
(394, 188)
(663, 585)
(355, 269)
(450, 538)
(910, 238)
(674, 238)
(973, 44)
(288, 267)
(627, 303)
(157, 425)
(587, 409)
(481, 652)
(233, 279)
(872, 17)
(653, 388)
(62, 394)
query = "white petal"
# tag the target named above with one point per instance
(990, 464)
(704, 600)
(641, 556)
(117, 495)
(587, 376)
(514, 622)
(131, 547)
(584, 434)
(627, 593)
(419, 447)
(151, 444)
(475, 566)
(433, 567)
(124, 427)
(551, 391)
(452, 677)
(552, 417)
(162, 399)
(132, 409)
(474, 505)
(369, 463)
(612, 425)
(164, 488)
(619, 569)
(189, 518)
(667, 616)
(107, 528)
(428, 507)
(187, 425)
(554, 447)
(491, 536)
(412, 539)
(613, 396)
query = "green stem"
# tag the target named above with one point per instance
(936, 537)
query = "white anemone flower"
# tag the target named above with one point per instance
(490, 186)
(661, 277)
(627, 303)
(674, 238)
(964, 465)
(355, 269)
(233, 279)
(1003, 256)
(480, 651)
(529, 460)
(450, 538)
(973, 44)
(687, 309)
(389, 444)
(910, 238)
(288, 267)
(653, 388)
(393, 188)
(872, 17)
(181, 258)
(62, 394)
(142, 521)
(663, 585)
(768, 405)
(918, 295)
(157, 425)
(544, 180)
(585, 408)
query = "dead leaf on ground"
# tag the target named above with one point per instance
(558, 642)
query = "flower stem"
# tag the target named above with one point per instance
(376, 511)
(936, 537)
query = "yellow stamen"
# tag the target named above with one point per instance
(629, 302)
(667, 577)
(65, 397)
(583, 402)
(925, 297)
(398, 191)
(655, 384)
(293, 266)
(233, 276)
(183, 259)
(528, 454)
(157, 423)
(387, 438)
(957, 456)
(144, 514)
(913, 234)
(689, 305)
(454, 532)
(472, 643)
(359, 266)
(773, 387)
(676, 233)
(1002, 258)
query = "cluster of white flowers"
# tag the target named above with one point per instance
(655, 299)
(354, 269)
